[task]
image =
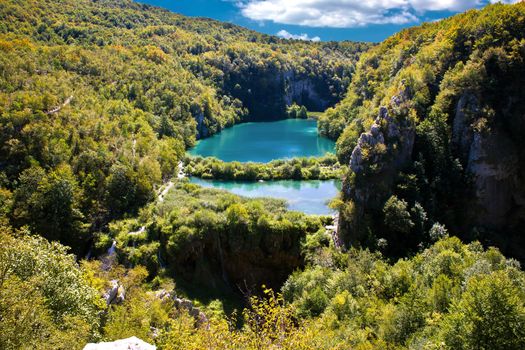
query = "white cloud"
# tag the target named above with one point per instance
(287, 35)
(349, 13)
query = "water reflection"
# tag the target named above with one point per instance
(265, 141)
(310, 196)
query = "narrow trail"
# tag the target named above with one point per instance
(167, 187)
(163, 191)
(333, 232)
(57, 109)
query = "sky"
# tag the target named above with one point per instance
(324, 20)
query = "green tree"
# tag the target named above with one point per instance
(397, 216)
(303, 113)
(45, 301)
(126, 191)
(50, 204)
(489, 315)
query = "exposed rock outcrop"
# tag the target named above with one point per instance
(461, 134)
(489, 160)
(267, 92)
(387, 145)
(202, 129)
(184, 304)
(132, 343)
(303, 92)
(493, 161)
(115, 294)
(386, 131)
(378, 155)
(492, 158)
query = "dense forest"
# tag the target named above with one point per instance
(100, 99)
(448, 296)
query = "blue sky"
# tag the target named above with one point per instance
(360, 20)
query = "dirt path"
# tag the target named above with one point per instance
(165, 191)
(57, 109)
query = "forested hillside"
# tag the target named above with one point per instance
(449, 296)
(100, 99)
(442, 110)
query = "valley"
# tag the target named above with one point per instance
(199, 185)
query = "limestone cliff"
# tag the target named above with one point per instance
(267, 92)
(490, 158)
(380, 152)
(305, 91)
(495, 160)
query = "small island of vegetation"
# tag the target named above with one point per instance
(312, 168)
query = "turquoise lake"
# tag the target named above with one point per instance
(266, 141)
(310, 196)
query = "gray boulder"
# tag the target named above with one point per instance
(115, 294)
(132, 343)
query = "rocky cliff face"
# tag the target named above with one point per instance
(494, 163)
(267, 93)
(462, 164)
(303, 91)
(238, 261)
(379, 154)
(488, 154)
(494, 159)
(202, 129)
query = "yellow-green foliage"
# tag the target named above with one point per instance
(45, 300)
(422, 57)
(192, 220)
(450, 296)
(326, 167)
(268, 324)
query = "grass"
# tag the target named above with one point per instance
(315, 115)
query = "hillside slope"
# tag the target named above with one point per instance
(432, 128)
(99, 100)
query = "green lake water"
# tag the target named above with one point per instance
(310, 196)
(265, 141)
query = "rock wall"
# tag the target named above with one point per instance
(303, 91)
(238, 261)
(496, 162)
(379, 154)
(490, 157)
(267, 93)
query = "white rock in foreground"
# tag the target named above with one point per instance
(132, 343)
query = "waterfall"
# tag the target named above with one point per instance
(113, 247)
